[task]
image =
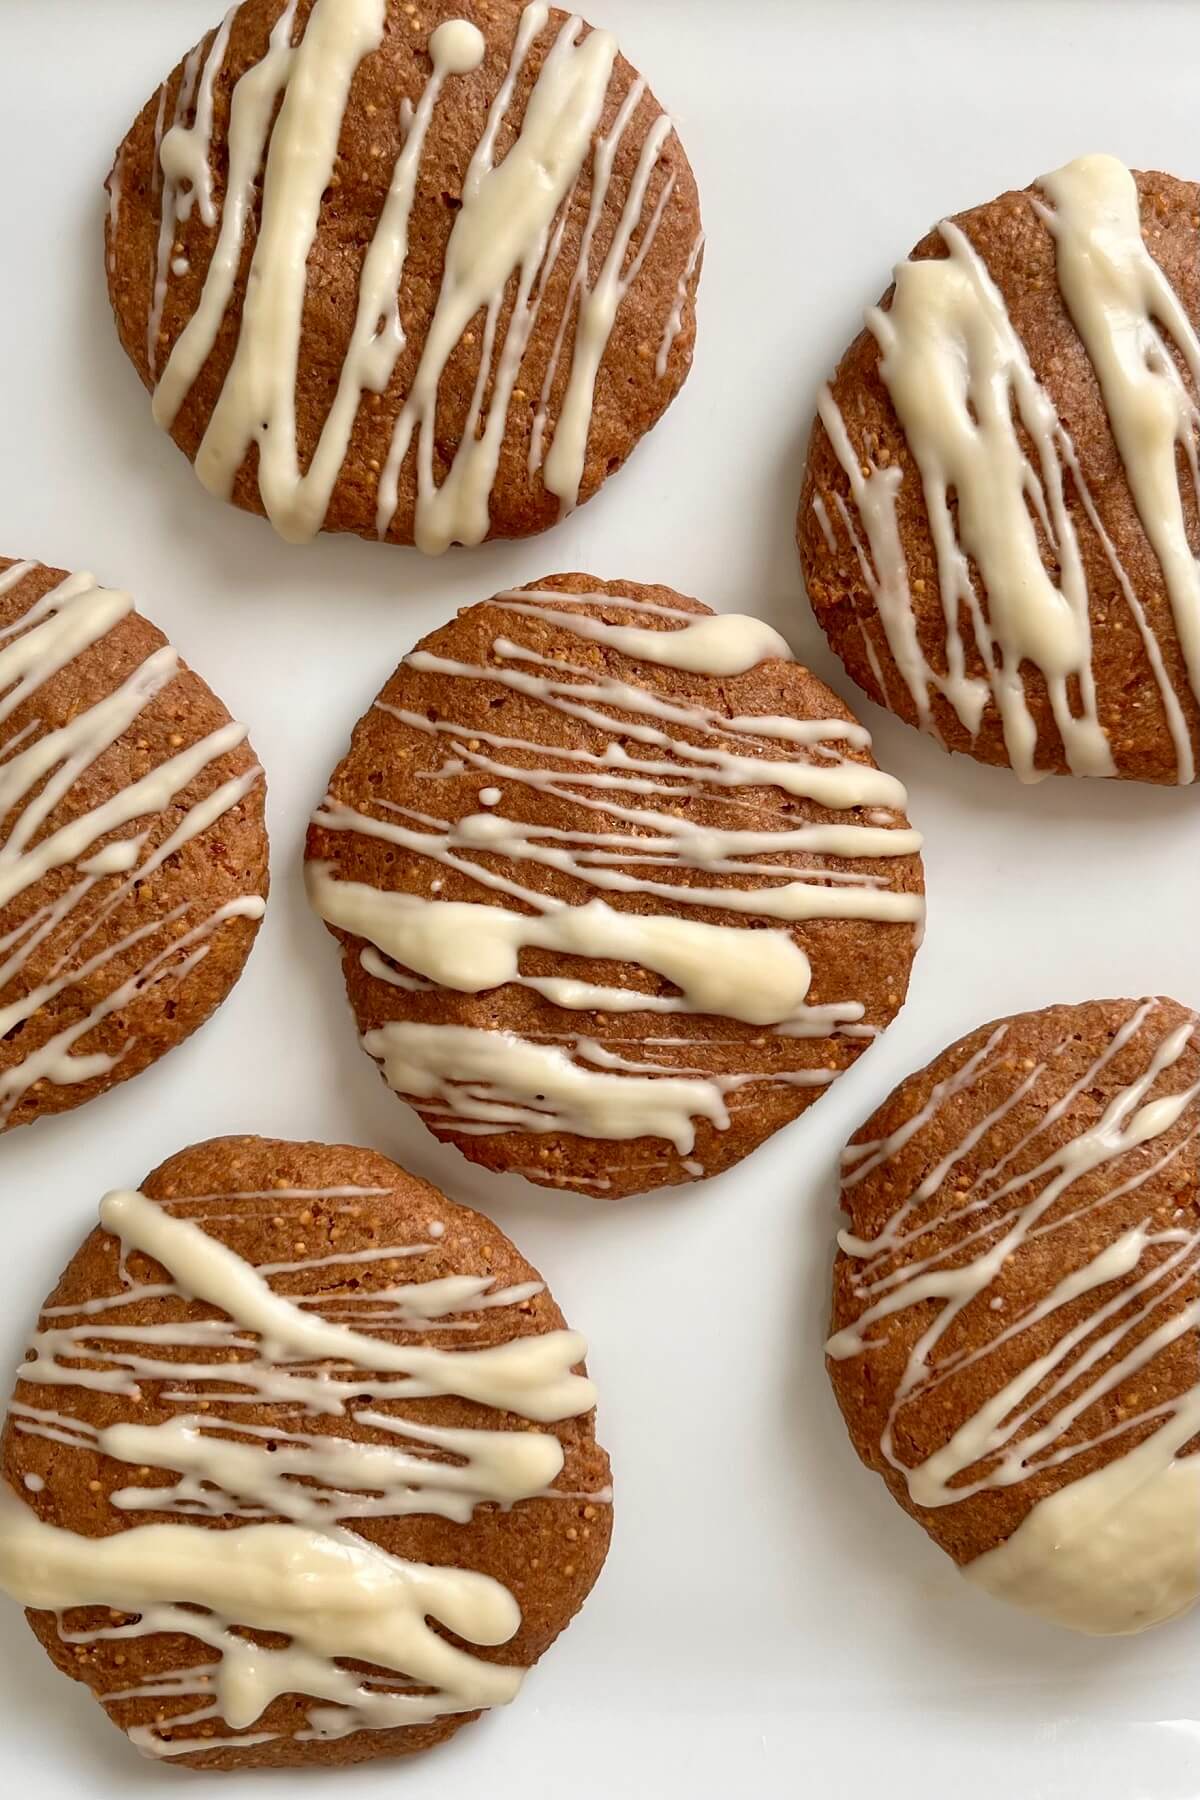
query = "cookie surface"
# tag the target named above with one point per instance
(1015, 1345)
(133, 848)
(297, 1386)
(618, 886)
(1000, 512)
(471, 242)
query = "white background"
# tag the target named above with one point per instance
(768, 1620)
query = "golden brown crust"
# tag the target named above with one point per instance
(390, 765)
(1017, 246)
(630, 395)
(547, 1552)
(1085, 1068)
(224, 863)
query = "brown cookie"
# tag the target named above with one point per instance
(387, 1492)
(618, 885)
(1015, 1345)
(426, 274)
(999, 522)
(133, 848)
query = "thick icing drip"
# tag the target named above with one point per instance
(714, 644)
(168, 214)
(41, 769)
(252, 106)
(332, 1593)
(492, 1081)
(183, 152)
(531, 1374)
(1115, 1552)
(471, 948)
(961, 383)
(1118, 1549)
(503, 227)
(258, 399)
(1130, 319)
(510, 224)
(294, 1569)
(483, 1081)
(956, 370)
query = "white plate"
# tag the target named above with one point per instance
(768, 1620)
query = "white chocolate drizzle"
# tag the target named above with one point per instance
(293, 1567)
(41, 769)
(598, 302)
(674, 324)
(479, 1081)
(969, 400)
(286, 117)
(493, 1081)
(1131, 319)
(1117, 1549)
(169, 215)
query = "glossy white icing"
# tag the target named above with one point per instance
(1119, 1548)
(39, 773)
(332, 1593)
(257, 403)
(1001, 478)
(1131, 319)
(287, 114)
(643, 846)
(599, 299)
(169, 214)
(1115, 1552)
(293, 1568)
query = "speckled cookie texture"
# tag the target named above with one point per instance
(316, 1220)
(999, 520)
(499, 241)
(606, 920)
(133, 848)
(1024, 1219)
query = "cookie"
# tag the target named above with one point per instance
(425, 274)
(133, 849)
(1000, 507)
(618, 885)
(1015, 1342)
(300, 1465)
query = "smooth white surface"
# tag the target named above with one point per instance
(769, 1622)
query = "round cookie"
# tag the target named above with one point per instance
(296, 1386)
(133, 848)
(423, 274)
(1015, 1342)
(999, 514)
(618, 885)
